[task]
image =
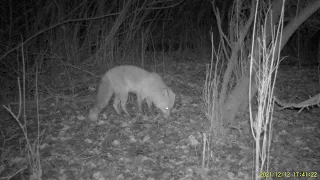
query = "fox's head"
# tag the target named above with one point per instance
(166, 102)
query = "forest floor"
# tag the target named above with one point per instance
(154, 148)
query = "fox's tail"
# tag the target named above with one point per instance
(105, 92)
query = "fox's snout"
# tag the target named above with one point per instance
(166, 112)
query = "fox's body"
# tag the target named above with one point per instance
(121, 80)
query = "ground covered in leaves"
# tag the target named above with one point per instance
(153, 148)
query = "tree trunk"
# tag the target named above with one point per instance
(239, 98)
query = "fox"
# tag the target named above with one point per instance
(122, 80)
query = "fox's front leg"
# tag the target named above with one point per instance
(149, 102)
(139, 100)
(116, 103)
(123, 101)
(140, 105)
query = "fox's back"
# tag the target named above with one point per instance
(132, 72)
(130, 78)
(134, 79)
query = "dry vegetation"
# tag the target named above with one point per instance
(216, 55)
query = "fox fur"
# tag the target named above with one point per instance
(122, 80)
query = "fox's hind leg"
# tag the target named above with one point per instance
(103, 96)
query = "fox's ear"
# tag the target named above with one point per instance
(165, 92)
(173, 95)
